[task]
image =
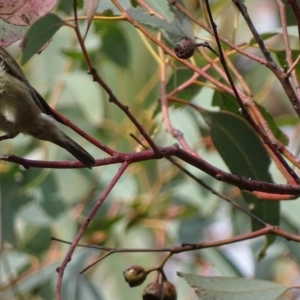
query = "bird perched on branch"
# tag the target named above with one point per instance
(24, 110)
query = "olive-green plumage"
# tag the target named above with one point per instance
(24, 110)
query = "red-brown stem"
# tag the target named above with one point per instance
(268, 229)
(238, 181)
(288, 49)
(85, 224)
(112, 97)
(97, 143)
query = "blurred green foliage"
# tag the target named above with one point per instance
(154, 204)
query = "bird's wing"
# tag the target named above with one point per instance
(13, 68)
(43, 105)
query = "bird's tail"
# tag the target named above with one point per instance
(76, 150)
(45, 128)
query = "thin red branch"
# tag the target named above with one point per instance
(112, 97)
(68, 257)
(281, 76)
(245, 112)
(184, 247)
(236, 180)
(296, 9)
(165, 109)
(288, 49)
(88, 137)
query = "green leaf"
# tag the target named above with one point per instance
(12, 201)
(161, 7)
(52, 204)
(265, 210)
(169, 29)
(269, 211)
(39, 34)
(182, 22)
(180, 27)
(180, 76)
(229, 103)
(264, 36)
(282, 137)
(244, 153)
(115, 44)
(226, 102)
(107, 5)
(292, 31)
(281, 56)
(239, 146)
(230, 288)
(39, 240)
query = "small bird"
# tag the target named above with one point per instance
(24, 110)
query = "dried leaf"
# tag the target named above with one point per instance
(24, 13)
(90, 7)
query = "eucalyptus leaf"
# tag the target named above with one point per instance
(182, 22)
(179, 77)
(12, 201)
(239, 146)
(225, 101)
(169, 29)
(115, 44)
(229, 103)
(39, 34)
(230, 288)
(278, 133)
(162, 7)
(292, 31)
(281, 56)
(245, 155)
(108, 5)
